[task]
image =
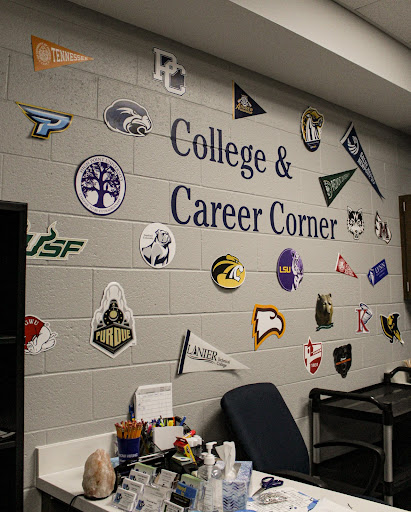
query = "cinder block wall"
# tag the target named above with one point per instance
(75, 390)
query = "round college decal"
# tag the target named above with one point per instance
(228, 272)
(100, 185)
(290, 270)
(157, 245)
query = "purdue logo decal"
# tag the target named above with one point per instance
(228, 272)
(112, 327)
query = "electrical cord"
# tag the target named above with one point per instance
(72, 501)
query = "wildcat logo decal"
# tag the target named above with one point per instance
(100, 185)
(390, 327)
(311, 125)
(353, 147)
(382, 230)
(38, 337)
(266, 320)
(45, 121)
(355, 222)
(313, 353)
(364, 315)
(243, 104)
(128, 117)
(342, 359)
(324, 311)
(50, 245)
(112, 326)
(343, 267)
(228, 272)
(377, 272)
(290, 270)
(50, 55)
(168, 71)
(157, 245)
(332, 184)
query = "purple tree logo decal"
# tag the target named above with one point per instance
(100, 185)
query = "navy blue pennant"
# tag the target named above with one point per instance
(243, 104)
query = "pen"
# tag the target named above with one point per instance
(182, 421)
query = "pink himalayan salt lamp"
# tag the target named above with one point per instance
(99, 476)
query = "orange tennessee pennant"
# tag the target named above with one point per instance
(50, 55)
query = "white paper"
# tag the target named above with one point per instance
(296, 501)
(325, 505)
(124, 499)
(153, 401)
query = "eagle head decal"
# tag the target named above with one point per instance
(128, 117)
(266, 320)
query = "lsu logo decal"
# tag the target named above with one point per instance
(112, 326)
(128, 117)
(311, 124)
(266, 320)
(228, 272)
(342, 359)
(37, 335)
(313, 353)
(46, 121)
(167, 70)
(364, 315)
(51, 246)
(290, 270)
(390, 327)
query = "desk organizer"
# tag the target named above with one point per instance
(235, 492)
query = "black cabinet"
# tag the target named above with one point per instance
(13, 222)
(405, 225)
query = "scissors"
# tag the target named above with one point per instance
(267, 483)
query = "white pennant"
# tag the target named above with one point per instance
(199, 356)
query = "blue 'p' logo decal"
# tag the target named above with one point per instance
(45, 121)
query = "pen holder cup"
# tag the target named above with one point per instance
(235, 492)
(128, 449)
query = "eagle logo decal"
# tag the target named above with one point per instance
(128, 117)
(266, 320)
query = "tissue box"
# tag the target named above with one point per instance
(235, 492)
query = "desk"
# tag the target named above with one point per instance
(60, 470)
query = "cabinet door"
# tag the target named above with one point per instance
(405, 225)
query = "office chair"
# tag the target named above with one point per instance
(265, 432)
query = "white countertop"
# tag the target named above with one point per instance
(61, 466)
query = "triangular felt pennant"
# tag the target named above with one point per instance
(243, 104)
(333, 183)
(199, 356)
(50, 55)
(353, 147)
(343, 267)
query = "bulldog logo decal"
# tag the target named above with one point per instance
(157, 245)
(128, 117)
(266, 320)
(342, 359)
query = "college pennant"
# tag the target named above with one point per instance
(199, 356)
(50, 55)
(343, 267)
(353, 147)
(243, 104)
(333, 183)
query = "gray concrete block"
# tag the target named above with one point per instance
(146, 291)
(65, 89)
(229, 332)
(86, 138)
(114, 389)
(4, 67)
(85, 429)
(73, 351)
(34, 364)
(160, 338)
(31, 440)
(157, 105)
(297, 153)
(57, 400)
(32, 500)
(54, 292)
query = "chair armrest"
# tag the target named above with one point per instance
(300, 477)
(378, 453)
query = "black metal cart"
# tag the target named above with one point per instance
(387, 404)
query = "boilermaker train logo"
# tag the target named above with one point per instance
(112, 326)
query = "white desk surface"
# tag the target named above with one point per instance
(60, 475)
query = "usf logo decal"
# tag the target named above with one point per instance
(112, 326)
(266, 320)
(45, 121)
(51, 245)
(228, 272)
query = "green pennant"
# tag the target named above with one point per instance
(333, 183)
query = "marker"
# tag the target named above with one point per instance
(182, 421)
